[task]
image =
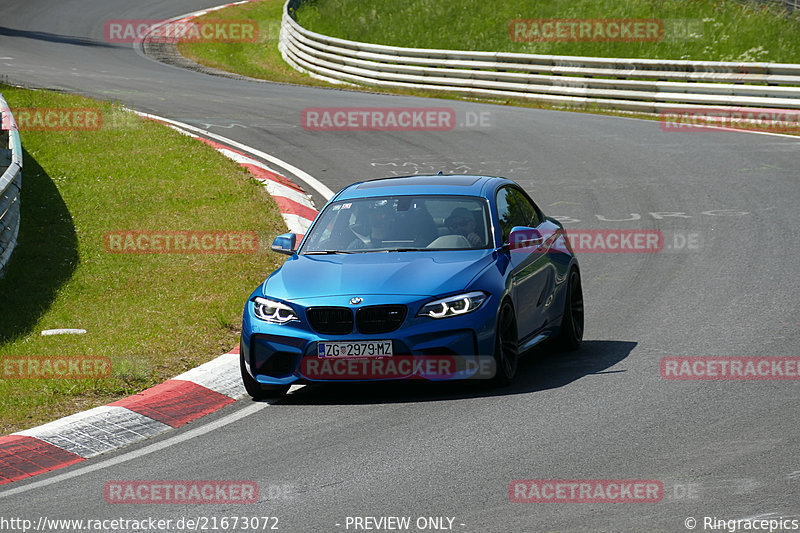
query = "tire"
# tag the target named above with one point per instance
(256, 390)
(570, 333)
(506, 347)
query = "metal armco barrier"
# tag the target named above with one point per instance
(10, 186)
(642, 85)
(791, 6)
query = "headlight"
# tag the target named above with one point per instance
(460, 304)
(272, 311)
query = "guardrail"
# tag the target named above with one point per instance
(10, 185)
(789, 5)
(642, 85)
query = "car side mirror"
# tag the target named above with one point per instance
(524, 237)
(284, 244)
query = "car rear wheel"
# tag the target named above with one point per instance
(571, 331)
(506, 349)
(255, 389)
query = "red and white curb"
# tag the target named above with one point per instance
(188, 17)
(295, 205)
(75, 438)
(172, 404)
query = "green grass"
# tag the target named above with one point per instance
(153, 315)
(260, 59)
(713, 30)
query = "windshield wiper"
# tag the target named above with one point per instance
(405, 250)
(329, 252)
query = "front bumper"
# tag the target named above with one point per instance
(459, 347)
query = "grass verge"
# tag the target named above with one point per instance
(708, 30)
(260, 59)
(153, 315)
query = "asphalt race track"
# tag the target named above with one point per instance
(724, 449)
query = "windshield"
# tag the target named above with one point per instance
(401, 223)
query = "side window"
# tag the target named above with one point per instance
(536, 218)
(514, 209)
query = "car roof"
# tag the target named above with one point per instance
(444, 184)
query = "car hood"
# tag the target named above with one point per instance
(410, 273)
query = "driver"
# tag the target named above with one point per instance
(380, 225)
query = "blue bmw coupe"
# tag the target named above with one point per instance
(419, 277)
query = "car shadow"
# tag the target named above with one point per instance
(541, 369)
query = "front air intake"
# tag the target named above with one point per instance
(330, 320)
(380, 318)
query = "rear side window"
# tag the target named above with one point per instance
(514, 209)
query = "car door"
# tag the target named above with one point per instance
(532, 276)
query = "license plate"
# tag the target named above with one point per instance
(354, 349)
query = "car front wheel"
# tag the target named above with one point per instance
(506, 349)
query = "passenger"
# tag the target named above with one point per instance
(461, 222)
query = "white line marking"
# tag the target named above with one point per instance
(63, 331)
(233, 417)
(313, 182)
